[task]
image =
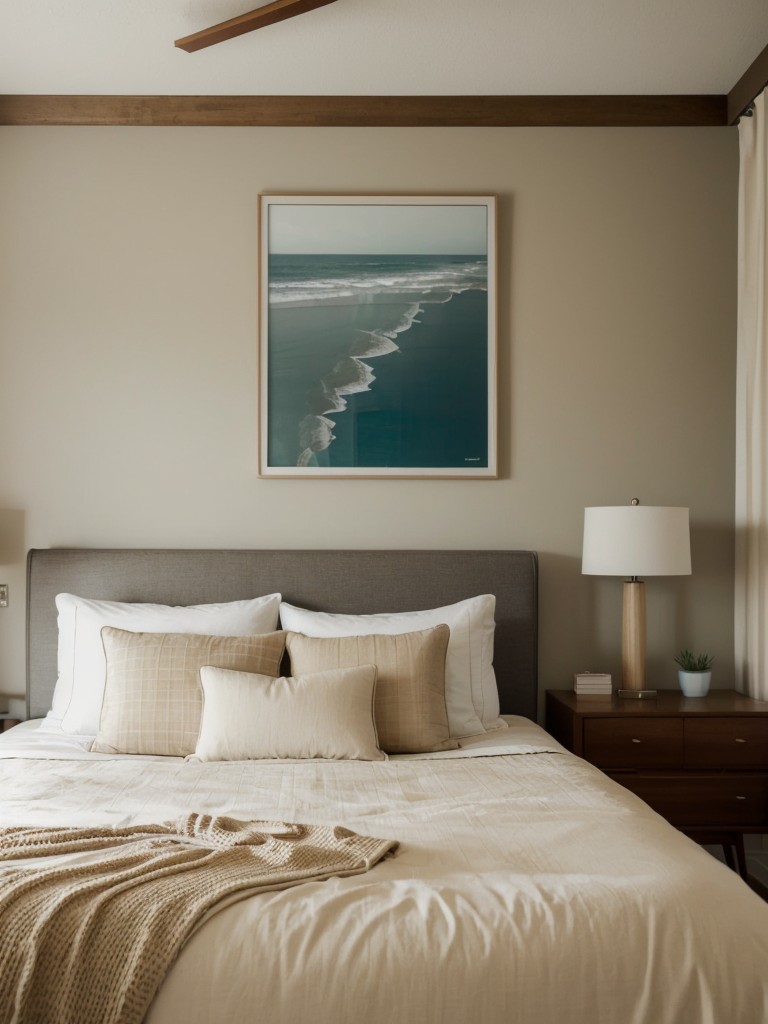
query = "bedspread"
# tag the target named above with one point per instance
(528, 888)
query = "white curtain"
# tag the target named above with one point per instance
(751, 593)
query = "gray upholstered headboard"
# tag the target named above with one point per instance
(333, 581)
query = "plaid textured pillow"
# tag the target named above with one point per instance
(153, 697)
(409, 704)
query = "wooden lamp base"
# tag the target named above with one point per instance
(633, 632)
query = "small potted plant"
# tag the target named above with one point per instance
(695, 673)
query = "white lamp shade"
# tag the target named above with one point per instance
(636, 540)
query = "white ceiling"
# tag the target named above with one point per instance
(390, 47)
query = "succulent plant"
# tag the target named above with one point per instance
(690, 662)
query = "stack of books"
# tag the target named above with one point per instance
(594, 683)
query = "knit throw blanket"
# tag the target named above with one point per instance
(90, 941)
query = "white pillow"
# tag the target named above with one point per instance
(470, 683)
(79, 691)
(321, 714)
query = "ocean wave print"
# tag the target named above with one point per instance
(414, 283)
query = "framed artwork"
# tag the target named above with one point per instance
(377, 336)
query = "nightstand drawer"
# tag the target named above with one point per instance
(726, 743)
(634, 742)
(712, 801)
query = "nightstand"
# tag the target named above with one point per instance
(7, 721)
(700, 762)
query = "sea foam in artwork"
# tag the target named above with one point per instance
(332, 321)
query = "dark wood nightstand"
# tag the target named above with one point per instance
(700, 762)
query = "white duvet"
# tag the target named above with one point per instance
(528, 889)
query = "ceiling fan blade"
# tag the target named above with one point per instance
(279, 10)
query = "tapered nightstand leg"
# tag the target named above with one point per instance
(741, 856)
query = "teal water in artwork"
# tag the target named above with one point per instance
(378, 361)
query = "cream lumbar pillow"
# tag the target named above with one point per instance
(323, 714)
(470, 682)
(153, 699)
(79, 690)
(409, 705)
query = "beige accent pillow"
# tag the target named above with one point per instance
(323, 714)
(470, 682)
(153, 699)
(409, 705)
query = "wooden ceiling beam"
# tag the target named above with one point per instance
(367, 111)
(748, 87)
(261, 17)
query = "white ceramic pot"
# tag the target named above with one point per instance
(694, 684)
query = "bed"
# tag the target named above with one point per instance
(526, 887)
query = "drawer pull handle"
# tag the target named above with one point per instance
(739, 740)
(741, 798)
(636, 741)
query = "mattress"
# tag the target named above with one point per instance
(528, 888)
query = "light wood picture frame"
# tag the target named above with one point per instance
(377, 336)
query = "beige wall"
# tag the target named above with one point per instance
(127, 381)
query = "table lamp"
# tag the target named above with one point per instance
(635, 540)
